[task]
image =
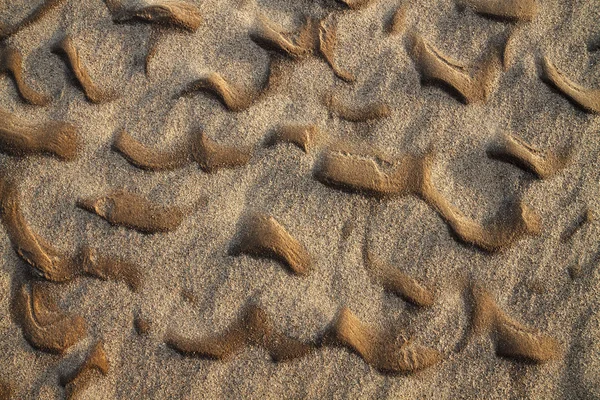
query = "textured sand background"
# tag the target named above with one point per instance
(530, 281)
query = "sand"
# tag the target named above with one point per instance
(194, 285)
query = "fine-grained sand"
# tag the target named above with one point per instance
(339, 199)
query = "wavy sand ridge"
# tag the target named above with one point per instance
(46, 261)
(305, 137)
(270, 37)
(397, 282)
(20, 137)
(92, 92)
(144, 157)
(163, 14)
(316, 233)
(210, 155)
(124, 208)
(11, 61)
(327, 45)
(585, 98)
(513, 150)
(44, 326)
(511, 44)
(254, 328)
(109, 268)
(435, 67)
(262, 236)
(412, 175)
(512, 339)
(152, 48)
(397, 23)
(234, 98)
(314, 38)
(172, 13)
(96, 363)
(384, 351)
(54, 265)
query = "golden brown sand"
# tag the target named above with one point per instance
(434, 239)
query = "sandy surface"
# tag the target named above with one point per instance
(529, 281)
